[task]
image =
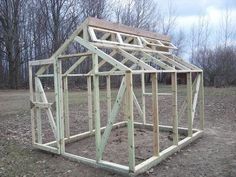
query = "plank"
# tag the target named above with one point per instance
(155, 116)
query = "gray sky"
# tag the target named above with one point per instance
(188, 11)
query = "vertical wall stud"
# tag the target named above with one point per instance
(32, 110)
(155, 115)
(202, 116)
(66, 107)
(189, 105)
(96, 100)
(143, 97)
(90, 104)
(38, 115)
(174, 107)
(130, 119)
(108, 79)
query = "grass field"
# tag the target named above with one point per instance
(212, 155)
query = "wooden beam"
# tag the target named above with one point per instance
(101, 54)
(90, 105)
(108, 82)
(143, 96)
(66, 107)
(38, 114)
(136, 60)
(189, 103)
(32, 110)
(155, 116)
(202, 116)
(124, 29)
(174, 108)
(137, 105)
(42, 95)
(75, 65)
(41, 62)
(157, 61)
(114, 112)
(74, 55)
(130, 119)
(96, 103)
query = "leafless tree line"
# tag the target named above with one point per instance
(34, 29)
(217, 56)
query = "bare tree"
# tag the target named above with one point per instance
(10, 13)
(138, 13)
(179, 40)
(226, 30)
(169, 19)
(94, 8)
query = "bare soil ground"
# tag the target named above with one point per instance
(212, 155)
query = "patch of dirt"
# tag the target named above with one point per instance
(212, 155)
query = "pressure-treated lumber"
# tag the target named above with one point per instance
(155, 116)
(128, 52)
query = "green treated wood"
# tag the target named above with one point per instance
(135, 60)
(101, 54)
(155, 115)
(108, 80)
(143, 96)
(114, 112)
(90, 103)
(189, 104)
(157, 61)
(38, 113)
(130, 120)
(66, 107)
(43, 97)
(58, 105)
(32, 110)
(202, 114)
(96, 102)
(174, 108)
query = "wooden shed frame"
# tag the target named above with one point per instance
(138, 47)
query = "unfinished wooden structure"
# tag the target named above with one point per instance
(139, 51)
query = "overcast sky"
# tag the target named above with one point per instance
(188, 11)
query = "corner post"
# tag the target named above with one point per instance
(59, 105)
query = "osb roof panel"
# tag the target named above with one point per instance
(124, 29)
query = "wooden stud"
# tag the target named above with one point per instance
(143, 96)
(202, 116)
(130, 119)
(189, 103)
(155, 115)
(90, 106)
(32, 110)
(174, 108)
(108, 80)
(66, 107)
(96, 102)
(38, 113)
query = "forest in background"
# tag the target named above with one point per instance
(34, 29)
